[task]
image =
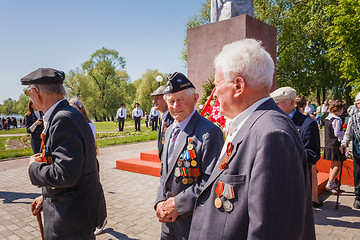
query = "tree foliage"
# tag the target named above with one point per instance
(146, 85)
(344, 37)
(103, 81)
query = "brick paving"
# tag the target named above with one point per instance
(130, 196)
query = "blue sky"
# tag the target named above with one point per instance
(63, 34)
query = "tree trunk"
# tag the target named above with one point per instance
(348, 99)
(324, 94)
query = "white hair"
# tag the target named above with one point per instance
(357, 97)
(50, 88)
(188, 91)
(248, 59)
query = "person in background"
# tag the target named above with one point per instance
(154, 116)
(285, 98)
(137, 115)
(333, 137)
(121, 116)
(166, 118)
(352, 134)
(146, 116)
(72, 197)
(34, 125)
(318, 114)
(76, 103)
(324, 112)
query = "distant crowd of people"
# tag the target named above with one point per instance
(7, 123)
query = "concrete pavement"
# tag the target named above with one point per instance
(130, 198)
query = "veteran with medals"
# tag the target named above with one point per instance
(192, 145)
(72, 196)
(260, 187)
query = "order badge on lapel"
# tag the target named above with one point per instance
(224, 163)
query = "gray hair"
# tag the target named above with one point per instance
(189, 91)
(248, 59)
(50, 88)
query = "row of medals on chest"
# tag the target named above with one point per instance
(226, 190)
(186, 159)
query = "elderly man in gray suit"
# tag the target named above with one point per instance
(260, 187)
(192, 146)
(72, 196)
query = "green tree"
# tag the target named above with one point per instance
(344, 37)
(101, 71)
(21, 105)
(146, 85)
(197, 20)
(7, 108)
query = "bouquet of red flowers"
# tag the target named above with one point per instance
(213, 113)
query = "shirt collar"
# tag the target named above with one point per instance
(50, 110)
(331, 115)
(164, 115)
(236, 123)
(292, 113)
(184, 123)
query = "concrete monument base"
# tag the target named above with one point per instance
(206, 41)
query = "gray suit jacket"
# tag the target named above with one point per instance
(268, 171)
(208, 140)
(74, 202)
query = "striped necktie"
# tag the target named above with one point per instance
(174, 135)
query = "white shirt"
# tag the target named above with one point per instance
(154, 113)
(336, 124)
(137, 112)
(121, 113)
(236, 123)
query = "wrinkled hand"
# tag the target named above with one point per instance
(342, 149)
(35, 158)
(160, 213)
(170, 209)
(36, 205)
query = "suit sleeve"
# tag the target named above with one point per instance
(67, 153)
(211, 148)
(311, 140)
(277, 187)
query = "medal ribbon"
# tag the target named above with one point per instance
(183, 172)
(192, 154)
(42, 146)
(219, 188)
(224, 162)
(228, 191)
(197, 172)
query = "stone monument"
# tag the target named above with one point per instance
(206, 41)
(226, 9)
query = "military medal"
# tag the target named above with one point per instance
(218, 191)
(228, 193)
(190, 180)
(179, 162)
(186, 164)
(190, 146)
(193, 163)
(224, 163)
(185, 181)
(228, 206)
(177, 172)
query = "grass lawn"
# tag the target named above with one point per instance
(108, 135)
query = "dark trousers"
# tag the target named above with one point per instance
(89, 237)
(121, 124)
(137, 123)
(35, 145)
(356, 162)
(154, 123)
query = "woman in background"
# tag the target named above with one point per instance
(74, 102)
(34, 125)
(333, 137)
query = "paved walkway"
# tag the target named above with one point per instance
(130, 197)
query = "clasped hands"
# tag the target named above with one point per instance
(166, 211)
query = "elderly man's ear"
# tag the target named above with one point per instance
(240, 85)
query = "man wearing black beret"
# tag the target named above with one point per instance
(192, 145)
(72, 197)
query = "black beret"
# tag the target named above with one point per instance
(177, 82)
(44, 76)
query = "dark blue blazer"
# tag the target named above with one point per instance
(309, 133)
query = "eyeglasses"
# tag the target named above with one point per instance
(29, 90)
